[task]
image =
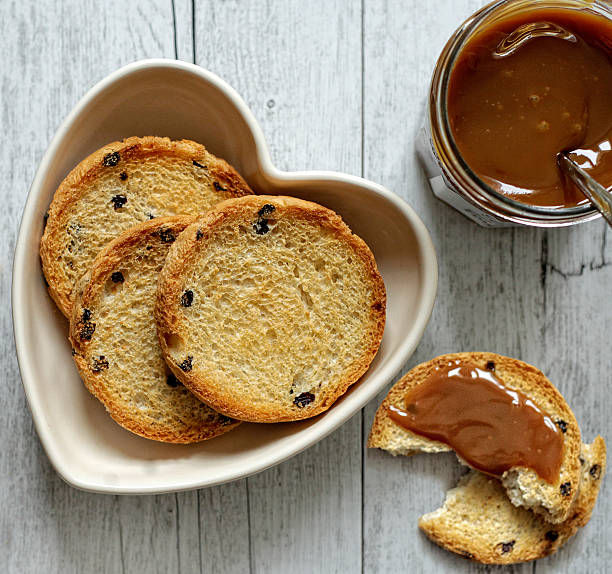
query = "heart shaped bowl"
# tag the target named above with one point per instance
(180, 100)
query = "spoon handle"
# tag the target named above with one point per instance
(597, 193)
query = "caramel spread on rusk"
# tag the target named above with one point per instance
(493, 428)
(528, 87)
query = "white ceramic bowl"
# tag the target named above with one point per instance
(179, 100)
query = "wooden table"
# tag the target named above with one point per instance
(336, 85)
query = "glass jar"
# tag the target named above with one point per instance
(450, 177)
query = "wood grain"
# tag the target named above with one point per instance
(183, 13)
(51, 55)
(511, 291)
(335, 85)
(304, 88)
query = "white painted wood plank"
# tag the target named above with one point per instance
(213, 529)
(576, 332)
(493, 295)
(52, 54)
(224, 529)
(148, 533)
(298, 67)
(183, 21)
(306, 513)
(187, 533)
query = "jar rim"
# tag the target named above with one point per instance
(478, 190)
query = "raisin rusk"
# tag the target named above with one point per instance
(499, 436)
(509, 507)
(478, 521)
(269, 308)
(116, 349)
(118, 186)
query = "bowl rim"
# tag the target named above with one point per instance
(324, 426)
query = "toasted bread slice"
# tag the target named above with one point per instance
(523, 486)
(269, 308)
(114, 337)
(477, 520)
(118, 186)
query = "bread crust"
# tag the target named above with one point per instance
(123, 254)
(77, 184)
(551, 500)
(211, 387)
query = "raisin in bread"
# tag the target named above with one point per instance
(114, 337)
(523, 486)
(479, 522)
(269, 308)
(118, 186)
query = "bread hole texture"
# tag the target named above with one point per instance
(132, 379)
(145, 178)
(279, 314)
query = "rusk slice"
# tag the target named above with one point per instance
(114, 337)
(269, 308)
(477, 520)
(118, 186)
(523, 486)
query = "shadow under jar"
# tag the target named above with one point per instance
(518, 83)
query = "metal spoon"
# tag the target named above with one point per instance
(597, 193)
(528, 32)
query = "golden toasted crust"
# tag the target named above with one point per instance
(523, 486)
(282, 289)
(478, 521)
(114, 337)
(120, 185)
